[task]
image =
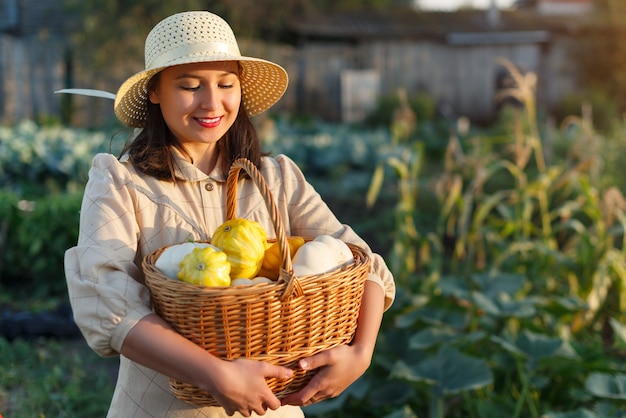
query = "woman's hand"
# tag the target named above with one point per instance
(338, 368)
(240, 386)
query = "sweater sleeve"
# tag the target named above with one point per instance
(103, 278)
(310, 216)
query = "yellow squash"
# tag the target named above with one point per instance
(243, 241)
(271, 260)
(169, 260)
(205, 267)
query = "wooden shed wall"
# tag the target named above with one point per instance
(463, 77)
(31, 68)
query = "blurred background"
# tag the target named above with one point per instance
(475, 144)
(342, 56)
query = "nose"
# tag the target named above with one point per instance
(209, 99)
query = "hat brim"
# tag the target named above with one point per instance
(263, 83)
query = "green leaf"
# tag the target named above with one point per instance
(508, 346)
(392, 393)
(485, 304)
(502, 306)
(402, 370)
(453, 286)
(449, 371)
(431, 336)
(540, 346)
(495, 284)
(442, 317)
(579, 413)
(536, 346)
(608, 386)
(609, 409)
(568, 303)
(455, 372)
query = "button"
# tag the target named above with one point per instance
(208, 187)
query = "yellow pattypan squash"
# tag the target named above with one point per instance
(243, 241)
(205, 267)
(169, 260)
(271, 260)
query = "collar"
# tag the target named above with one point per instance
(187, 171)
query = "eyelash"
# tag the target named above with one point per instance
(195, 88)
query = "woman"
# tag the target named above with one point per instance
(192, 104)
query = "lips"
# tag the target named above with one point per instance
(209, 122)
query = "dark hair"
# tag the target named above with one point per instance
(150, 151)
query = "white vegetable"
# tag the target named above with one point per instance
(321, 255)
(343, 252)
(170, 259)
(300, 270)
(242, 281)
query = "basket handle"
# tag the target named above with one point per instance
(293, 287)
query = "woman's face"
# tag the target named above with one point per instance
(199, 102)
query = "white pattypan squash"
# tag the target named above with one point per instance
(322, 255)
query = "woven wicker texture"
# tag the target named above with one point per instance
(279, 322)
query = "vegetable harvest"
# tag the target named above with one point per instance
(239, 254)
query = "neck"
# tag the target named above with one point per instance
(203, 157)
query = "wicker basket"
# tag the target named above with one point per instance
(279, 322)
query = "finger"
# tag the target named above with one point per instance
(278, 372)
(259, 410)
(272, 403)
(316, 361)
(300, 398)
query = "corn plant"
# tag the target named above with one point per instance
(518, 278)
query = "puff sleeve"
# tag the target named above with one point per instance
(103, 278)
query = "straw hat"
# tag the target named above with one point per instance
(191, 37)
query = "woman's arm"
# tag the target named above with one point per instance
(239, 386)
(112, 306)
(341, 366)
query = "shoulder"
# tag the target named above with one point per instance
(280, 167)
(107, 167)
(104, 161)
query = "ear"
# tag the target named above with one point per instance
(153, 96)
